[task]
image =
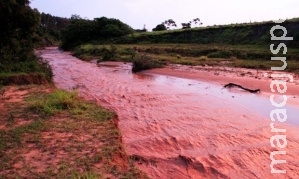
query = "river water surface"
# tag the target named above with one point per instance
(182, 128)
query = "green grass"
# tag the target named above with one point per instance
(157, 55)
(53, 103)
(256, 33)
(233, 25)
(10, 68)
(13, 138)
(61, 100)
(87, 175)
(293, 66)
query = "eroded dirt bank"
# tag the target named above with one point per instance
(179, 128)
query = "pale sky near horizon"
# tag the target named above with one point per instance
(136, 13)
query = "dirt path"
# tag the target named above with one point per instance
(178, 128)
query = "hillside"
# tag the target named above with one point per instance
(251, 34)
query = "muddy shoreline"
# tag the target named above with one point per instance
(253, 79)
(222, 75)
(182, 128)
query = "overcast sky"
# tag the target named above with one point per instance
(136, 13)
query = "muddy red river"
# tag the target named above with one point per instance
(184, 128)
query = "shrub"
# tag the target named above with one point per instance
(109, 54)
(144, 62)
(219, 54)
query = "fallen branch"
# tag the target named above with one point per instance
(230, 85)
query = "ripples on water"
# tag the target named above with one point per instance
(191, 129)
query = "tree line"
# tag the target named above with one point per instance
(24, 29)
(99, 29)
(170, 23)
(21, 31)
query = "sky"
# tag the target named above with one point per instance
(138, 13)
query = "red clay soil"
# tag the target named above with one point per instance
(63, 148)
(176, 128)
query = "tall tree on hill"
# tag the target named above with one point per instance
(186, 25)
(197, 21)
(51, 27)
(160, 27)
(169, 23)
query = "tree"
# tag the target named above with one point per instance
(111, 30)
(51, 27)
(18, 26)
(75, 16)
(18, 34)
(100, 29)
(197, 21)
(160, 27)
(186, 25)
(169, 23)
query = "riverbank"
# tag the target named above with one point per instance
(50, 133)
(180, 128)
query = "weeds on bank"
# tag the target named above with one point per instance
(102, 53)
(61, 100)
(146, 56)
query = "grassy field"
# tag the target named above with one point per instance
(257, 33)
(244, 56)
(213, 27)
(50, 133)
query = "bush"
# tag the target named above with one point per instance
(109, 53)
(144, 62)
(86, 52)
(160, 27)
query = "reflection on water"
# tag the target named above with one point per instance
(142, 76)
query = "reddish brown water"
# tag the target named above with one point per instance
(182, 128)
